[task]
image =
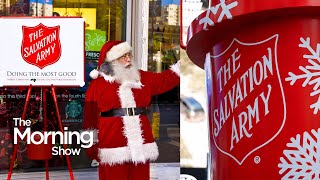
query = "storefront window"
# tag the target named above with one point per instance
(107, 16)
(105, 20)
(163, 51)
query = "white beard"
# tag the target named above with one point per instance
(123, 74)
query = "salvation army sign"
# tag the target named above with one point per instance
(41, 45)
(249, 97)
(42, 51)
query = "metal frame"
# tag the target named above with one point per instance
(139, 31)
(129, 21)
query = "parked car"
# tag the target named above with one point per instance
(192, 109)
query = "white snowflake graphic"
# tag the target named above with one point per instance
(214, 10)
(311, 72)
(302, 159)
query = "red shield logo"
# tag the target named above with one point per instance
(41, 45)
(247, 107)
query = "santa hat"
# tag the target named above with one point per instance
(110, 51)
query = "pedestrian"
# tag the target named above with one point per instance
(116, 111)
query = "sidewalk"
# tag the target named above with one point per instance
(159, 171)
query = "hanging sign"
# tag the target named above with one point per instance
(42, 51)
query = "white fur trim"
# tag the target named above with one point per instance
(112, 156)
(118, 50)
(132, 131)
(151, 151)
(94, 133)
(126, 96)
(131, 124)
(126, 84)
(107, 77)
(94, 74)
(132, 84)
(175, 68)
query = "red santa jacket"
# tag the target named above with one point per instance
(127, 138)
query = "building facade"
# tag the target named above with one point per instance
(154, 50)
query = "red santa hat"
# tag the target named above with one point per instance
(110, 51)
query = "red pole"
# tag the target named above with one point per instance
(44, 106)
(61, 129)
(15, 148)
(47, 169)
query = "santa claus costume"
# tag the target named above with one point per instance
(115, 110)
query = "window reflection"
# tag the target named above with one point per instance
(163, 51)
(105, 20)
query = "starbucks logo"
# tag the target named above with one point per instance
(73, 109)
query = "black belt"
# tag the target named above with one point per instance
(124, 112)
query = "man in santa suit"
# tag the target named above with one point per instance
(115, 111)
